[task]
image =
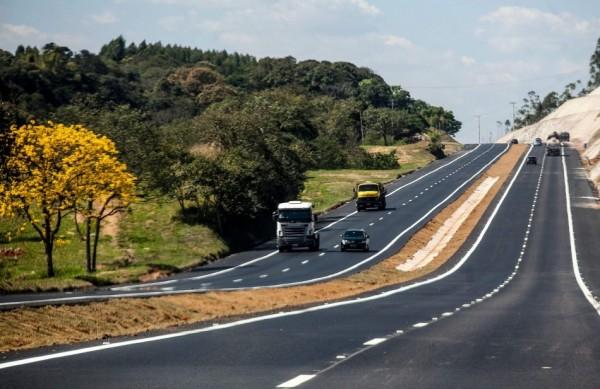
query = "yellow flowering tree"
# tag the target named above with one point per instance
(106, 189)
(53, 167)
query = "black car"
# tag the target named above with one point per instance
(356, 239)
(532, 160)
(514, 141)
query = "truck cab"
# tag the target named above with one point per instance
(370, 195)
(296, 226)
(553, 147)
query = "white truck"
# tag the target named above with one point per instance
(553, 146)
(296, 226)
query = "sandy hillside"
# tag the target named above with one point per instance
(581, 118)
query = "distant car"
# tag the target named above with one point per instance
(537, 142)
(356, 239)
(532, 160)
(514, 141)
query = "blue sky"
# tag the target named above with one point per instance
(470, 56)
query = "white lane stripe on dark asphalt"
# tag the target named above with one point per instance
(374, 341)
(294, 382)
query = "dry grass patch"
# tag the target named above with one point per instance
(35, 327)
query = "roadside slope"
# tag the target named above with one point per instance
(581, 118)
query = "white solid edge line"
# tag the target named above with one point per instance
(586, 292)
(302, 378)
(149, 294)
(216, 327)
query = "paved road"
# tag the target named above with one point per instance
(507, 312)
(412, 201)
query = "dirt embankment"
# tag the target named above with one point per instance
(581, 118)
(34, 327)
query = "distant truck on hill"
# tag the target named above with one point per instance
(564, 136)
(553, 146)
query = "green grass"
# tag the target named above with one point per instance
(326, 188)
(148, 239)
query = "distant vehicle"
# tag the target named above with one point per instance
(553, 146)
(296, 226)
(564, 136)
(553, 135)
(532, 160)
(514, 141)
(537, 142)
(370, 195)
(355, 239)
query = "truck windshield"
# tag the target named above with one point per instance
(368, 188)
(295, 215)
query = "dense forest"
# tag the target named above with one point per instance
(534, 107)
(226, 134)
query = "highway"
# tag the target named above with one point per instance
(411, 202)
(514, 308)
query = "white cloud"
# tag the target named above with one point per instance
(510, 29)
(106, 17)
(395, 40)
(467, 61)
(13, 35)
(365, 7)
(19, 30)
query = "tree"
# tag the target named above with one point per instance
(594, 81)
(52, 169)
(435, 146)
(105, 189)
(114, 50)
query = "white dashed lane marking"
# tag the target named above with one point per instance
(374, 341)
(294, 382)
(238, 280)
(287, 269)
(263, 275)
(304, 262)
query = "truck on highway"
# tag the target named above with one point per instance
(370, 195)
(564, 136)
(553, 146)
(296, 226)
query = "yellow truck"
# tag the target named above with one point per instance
(370, 195)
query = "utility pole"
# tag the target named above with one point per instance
(478, 128)
(513, 121)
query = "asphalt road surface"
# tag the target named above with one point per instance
(507, 311)
(411, 202)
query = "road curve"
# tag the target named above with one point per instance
(412, 201)
(505, 311)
